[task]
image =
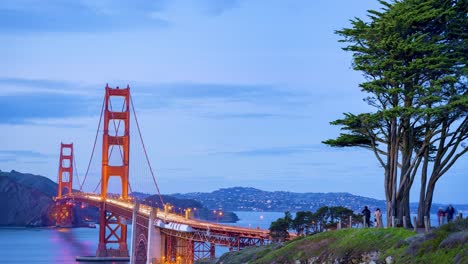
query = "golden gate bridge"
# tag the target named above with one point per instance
(158, 234)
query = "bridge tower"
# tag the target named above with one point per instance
(65, 180)
(111, 228)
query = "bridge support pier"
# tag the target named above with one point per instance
(154, 252)
(64, 211)
(134, 243)
(111, 231)
(203, 250)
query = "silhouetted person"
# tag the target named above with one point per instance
(450, 211)
(366, 213)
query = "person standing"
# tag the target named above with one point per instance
(441, 216)
(450, 212)
(378, 218)
(366, 213)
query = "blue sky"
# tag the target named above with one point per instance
(228, 92)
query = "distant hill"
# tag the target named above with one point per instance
(251, 199)
(38, 182)
(22, 205)
(26, 200)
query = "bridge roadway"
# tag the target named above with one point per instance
(178, 226)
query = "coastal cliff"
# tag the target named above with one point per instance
(22, 205)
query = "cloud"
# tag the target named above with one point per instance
(242, 116)
(23, 100)
(14, 155)
(76, 16)
(19, 86)
(183, 93)
(215, 90)
(277, 151)
(33, 82)
(33, 100)
(17, 109)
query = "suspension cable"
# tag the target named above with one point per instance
(58, 170)
(99, 183)
(94, 146)
(75, 170)
(144, 150)
(130, 187)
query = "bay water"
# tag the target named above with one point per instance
(62, 245)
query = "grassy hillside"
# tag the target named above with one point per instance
(448, 244)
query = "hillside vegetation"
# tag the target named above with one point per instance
(448, 244)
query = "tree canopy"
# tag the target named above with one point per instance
(412, 54)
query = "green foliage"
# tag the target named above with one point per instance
(340, 213)
(288, 218)
(279, 228)
(246, 255)
(348, 140)
(412, 54)
(302, 222)
(435, 247)
(306, 222)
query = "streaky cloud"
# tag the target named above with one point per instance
(259, 93)
(74, 16)
(242, 116)
(276, 151)
(23, 153)
(38, 83)
(19, 109)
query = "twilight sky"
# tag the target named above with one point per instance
(227, 92)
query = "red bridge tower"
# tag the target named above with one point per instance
(111, 229)
(65, 180)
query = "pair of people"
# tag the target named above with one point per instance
(377, 217)
(449, 213)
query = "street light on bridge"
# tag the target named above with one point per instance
(167, 208)
(218, 215)
(187, 213)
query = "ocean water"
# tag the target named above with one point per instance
(46, 245)
(61, 245)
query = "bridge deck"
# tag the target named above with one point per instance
(126, 208)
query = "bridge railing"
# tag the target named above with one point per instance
(171, 217)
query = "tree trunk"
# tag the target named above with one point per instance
(407, 146)
(406, 212)
(422, 192)
(428, 200)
